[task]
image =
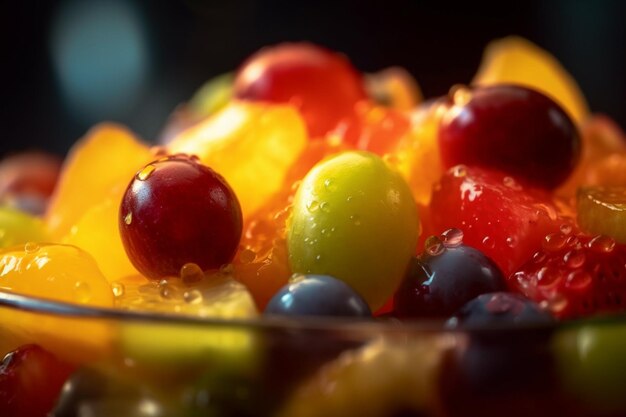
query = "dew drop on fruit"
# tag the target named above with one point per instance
(548, 277)
(578, 280)
(355, 220)
(555, 304)
(192, 297)
(324, 206)
(329, 184)
(511, 241)
(574, 258)
(554, 242)
(434, 246)
(128, 219)
(601, 244)
(191, 273)
(82, 292)
(452, 237)
(566, 229)
(118, 289)
(312, 206)
(145, 173)
(572, 241)
(489, 242)
(459, 171)
(31, 247)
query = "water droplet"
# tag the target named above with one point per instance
(128, 219)
(601, 244)
(349, 199)
(190, 273)
(546, 209)
(192, 297)
(511, 241)
(247, 256)
(167, 292)
(554, 242)
(572, 241)
(31, 247)
(574, 258)
(145, 173)
(355, 220)
(548, 277)
(324, 207)
(312, 205)
(489, 242)
(318, 258)
(566, 229)
(452, 237)
(329, 184)
(459, 171)
(578, 280)
(118, 289)
(434, 246)
(82, 292)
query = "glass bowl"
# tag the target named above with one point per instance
(145, 364)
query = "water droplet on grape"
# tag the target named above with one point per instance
(31, 247)
(191, 273)
(578, 280)
(554, 242)
(145, 173)
(566, 229)
(118, 289)
(434, 246)
(192, 297)
(601, 244)
(452, 237)
(511, 241)
(349, 199)
(574, 258)
(572, 241)
(312, 205)
(318, 258)
(329, 184)
(324, 207)
(489, 242)
(128, 219)
(82, 292)
(548, 277)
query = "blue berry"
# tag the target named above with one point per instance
(438, 283)
(317, 295)
(500, 309)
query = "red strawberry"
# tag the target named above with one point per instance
(498, 216)
(30, 382)
(575, 275)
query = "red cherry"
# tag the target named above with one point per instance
(497, 215)
(30, 382)
(177, 211)
(322, 84)
(512, 129)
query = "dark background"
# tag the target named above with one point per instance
(69, 64)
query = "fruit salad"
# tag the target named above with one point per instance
(307, 240)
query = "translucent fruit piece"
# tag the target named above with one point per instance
(393, 87)
(105, 159)
(62, 273)
(602, 210)
(251, 145)
(385, 376)
(516, 60)
(18, 228)
(97, 233)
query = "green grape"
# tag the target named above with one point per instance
(17, 227)
(354, 218)
(212, 96)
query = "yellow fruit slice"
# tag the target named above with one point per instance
(519, 61)
(252, 145)
(61, 273)
(602, 210)
(105, 159)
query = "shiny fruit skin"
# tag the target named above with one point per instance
(178, 211)
(513, 129)
(438, 285)
(354, 218)
(317, 295)
(30, 382)
(322, 84)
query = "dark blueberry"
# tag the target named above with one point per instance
(317, 295)
(438, 285)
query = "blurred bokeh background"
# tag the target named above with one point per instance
(68, 64)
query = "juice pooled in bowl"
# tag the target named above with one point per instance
(311, 241)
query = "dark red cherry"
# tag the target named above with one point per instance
(178, 211)
(322, 84)
(513, 129)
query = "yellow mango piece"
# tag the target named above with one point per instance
(60, 273)
(251, 145)
(519, 61)
(97, 233)
(104, 160)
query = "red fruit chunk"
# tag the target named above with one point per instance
(513, 129)
(497, 215)
(575, 275)
(322, 84)
(31, 379)
(177, 211)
